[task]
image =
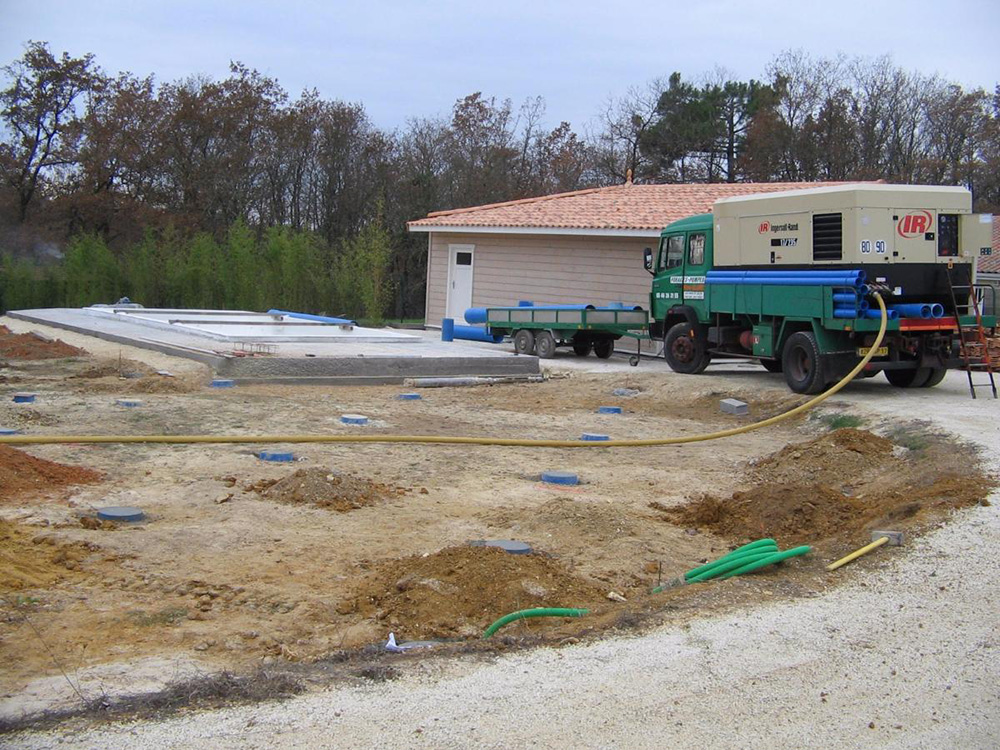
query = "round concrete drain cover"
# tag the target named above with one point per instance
(560, 477)
(507, 545)
(120, 513)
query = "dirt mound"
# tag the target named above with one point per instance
(21, 472)
(326, 489)
(126, 376)
(28, 561)
(806, 514)
(839, 458)
(34, 346)
(459, 591)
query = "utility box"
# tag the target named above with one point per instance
(849, 225)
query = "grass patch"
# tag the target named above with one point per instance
(841, 421)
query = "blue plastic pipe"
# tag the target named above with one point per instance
(317, 318)
(447, 329)
(791, 273)
(845, 312)
(845, 297)
(877, 314)
(475, 333)
(914, 310)
(475, 315)
(937, 310)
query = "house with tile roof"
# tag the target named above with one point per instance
(584, 246)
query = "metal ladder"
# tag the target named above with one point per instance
(972, 341)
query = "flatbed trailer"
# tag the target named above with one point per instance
(542, 329)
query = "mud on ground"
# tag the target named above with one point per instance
(242, 563)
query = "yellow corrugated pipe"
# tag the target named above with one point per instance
(184, 439)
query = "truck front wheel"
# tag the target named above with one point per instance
(684, 350)
(802, 363)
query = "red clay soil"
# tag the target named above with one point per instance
(459, 591)
(29, 346)
(21, 473)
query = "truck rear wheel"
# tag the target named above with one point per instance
(802, 363)
(915, 378)
(603, 348)
(684, 350)
(582, 348)
(524, 341)
(545, 345)
(937, 375)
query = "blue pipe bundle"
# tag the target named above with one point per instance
(854, 279)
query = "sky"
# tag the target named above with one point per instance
(415, 59)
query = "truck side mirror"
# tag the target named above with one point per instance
(647, 259)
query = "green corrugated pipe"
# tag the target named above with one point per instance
(761, 545)
(732, 563)
(769, 560)
(536, 612)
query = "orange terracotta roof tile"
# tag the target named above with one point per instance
(620, 207)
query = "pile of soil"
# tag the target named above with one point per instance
(809, 513)
(127, 376)
(323, 488)
(459, 591)
(32, 346)
(29, 562)
(21, 473)
(842, 457)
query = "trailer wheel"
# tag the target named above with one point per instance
(545, 345)
(684, 350)
(524, 341)
(771, 365)
(915, 378)
(582, 348)
(604, 348)
(937, 375)
(802, 363)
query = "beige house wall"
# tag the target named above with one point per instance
(548, 270)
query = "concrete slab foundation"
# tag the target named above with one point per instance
(344, 360)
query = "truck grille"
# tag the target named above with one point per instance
(828, 237)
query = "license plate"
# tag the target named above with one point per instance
(882, 351)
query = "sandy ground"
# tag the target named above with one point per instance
(900, 655)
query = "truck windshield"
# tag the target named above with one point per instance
(672, 252)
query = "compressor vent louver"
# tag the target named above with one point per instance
(828, 237)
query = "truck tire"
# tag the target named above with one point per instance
(915, 378)
(545, 345)
(604, 348)
(684, 352)
(524, 341)
(937, 375)
(771, 365)
(582, 348)
(802, 363)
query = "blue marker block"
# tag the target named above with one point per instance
(609, 410)
(594, 436)
(560, 477)
(223, 383)
(276, 456)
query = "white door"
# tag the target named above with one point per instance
(459, 282)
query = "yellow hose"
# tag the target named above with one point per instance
(184, 439)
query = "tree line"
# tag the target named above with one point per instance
(232, 193)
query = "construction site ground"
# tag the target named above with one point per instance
(287, 577)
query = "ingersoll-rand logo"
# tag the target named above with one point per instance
(914, 224)
(764, 228)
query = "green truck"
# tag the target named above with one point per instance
(787, 278)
